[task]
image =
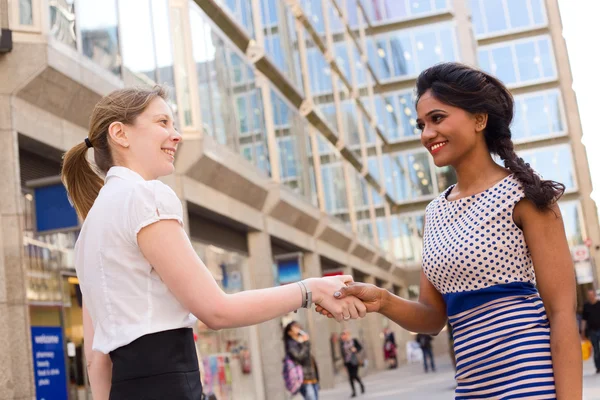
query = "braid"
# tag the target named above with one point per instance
(541, 192)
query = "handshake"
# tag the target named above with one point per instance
(341, 298)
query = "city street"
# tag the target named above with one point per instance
(410, 382)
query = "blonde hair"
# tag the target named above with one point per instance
(82, 181)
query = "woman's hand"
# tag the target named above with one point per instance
(341, 309)
(371, 296)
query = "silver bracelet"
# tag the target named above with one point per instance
(307, 296)
(303, 290)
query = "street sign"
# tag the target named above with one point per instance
(588, 242)
(48, 363)
(580, 253)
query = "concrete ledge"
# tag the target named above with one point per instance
(223, 170)
(220, 203)
(291, 209)
(288, 233)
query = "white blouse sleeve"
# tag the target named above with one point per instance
(151, 202)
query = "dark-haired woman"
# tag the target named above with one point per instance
(297, 347)
(496, 262)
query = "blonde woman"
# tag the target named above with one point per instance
(143, 284)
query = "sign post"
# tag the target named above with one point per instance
(49, 363)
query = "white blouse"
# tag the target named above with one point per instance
(124, 295)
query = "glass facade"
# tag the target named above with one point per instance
(553, 162)
(98, 25)
(519, 62)
(385, 11)
(396, 115)
(573, 220)
(408, 175)
(538, 115)
(407, 52)
(500, 16)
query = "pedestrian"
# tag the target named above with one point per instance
(496, 261)
(590, 324)
(351, 349)
(390, 349)
(424, 341)
(143, 284)
(297, 347)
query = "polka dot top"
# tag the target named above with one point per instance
(473, 243)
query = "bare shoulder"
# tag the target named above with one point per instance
(527, 214)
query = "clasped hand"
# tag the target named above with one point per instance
(341, 298)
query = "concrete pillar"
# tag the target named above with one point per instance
(16, 369)
(373, 327)
(318, 327)
(270, 346)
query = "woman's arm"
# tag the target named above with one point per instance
(168, 249)
(427, 315)
(545, 236)
(99, 365)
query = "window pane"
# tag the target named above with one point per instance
(494, 15)
(537, 119)
(518, 13)
(537, 115)
(502, 65)
(342, 59)
(136, 38)
(539, 11)
(99, 34)
(62, 16)
(428, 50)
(498, 16)
(546, 58)
(402, 55)
(25, 12)
(527, 61)
(572, 220)
(164, 44)
(477, 17)
(553, 163)
(395, 9)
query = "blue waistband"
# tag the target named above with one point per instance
(462, 301)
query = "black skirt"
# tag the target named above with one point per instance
(158, 366)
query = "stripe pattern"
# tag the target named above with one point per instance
(503, 350)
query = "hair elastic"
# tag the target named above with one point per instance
(88, 143)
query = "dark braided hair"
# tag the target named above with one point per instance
(476, 92)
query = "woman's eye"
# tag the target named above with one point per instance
(420, 126)
(164, 121)
(437, 118)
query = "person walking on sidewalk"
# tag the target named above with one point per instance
(590, 324)
(142, 282)
(297, 347)
(496, 260)
(351, 349)
(425, 344)
(390, 351)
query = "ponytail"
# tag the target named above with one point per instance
(82, 181)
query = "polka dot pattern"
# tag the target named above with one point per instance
(473, 243)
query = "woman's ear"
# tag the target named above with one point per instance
(116, 131)
(480, 122)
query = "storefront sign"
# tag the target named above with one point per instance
(288, 270)
(584, 272)
(581, 253)
(53, 210)
(48, 363)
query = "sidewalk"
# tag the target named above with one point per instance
(409, 382)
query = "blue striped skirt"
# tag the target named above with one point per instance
(502, 346)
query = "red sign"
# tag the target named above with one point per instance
(333, 273)
(588, 242)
